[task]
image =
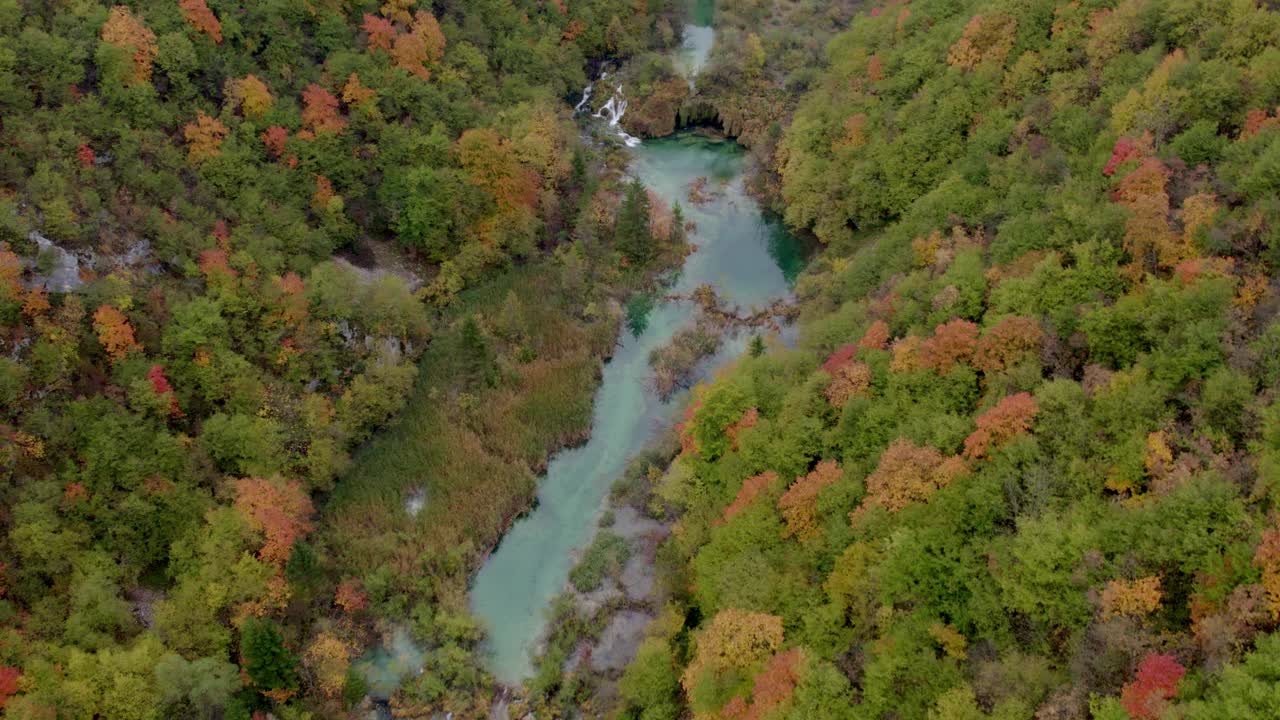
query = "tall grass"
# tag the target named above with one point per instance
(476, 453)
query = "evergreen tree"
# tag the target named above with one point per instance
(757, 347)
(267, 662)
(677, 223)
(477, 356)
(632, 235)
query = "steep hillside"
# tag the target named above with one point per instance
(1023, 461)
(227, 231)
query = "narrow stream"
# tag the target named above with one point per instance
(750, 259)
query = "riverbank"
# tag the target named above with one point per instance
(507, 381)
(739, 252)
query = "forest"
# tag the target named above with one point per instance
(273, 271)
(1022, 462)
(230, 232)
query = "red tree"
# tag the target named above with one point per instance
(274, 138)
(350, 596)
(751, 489)
(8, 683)
(876, 337)
(1148, 695)
(952, 342)
(1010, 417)
(281, 510)
(1007, 343)
(200, 17)
(380, 31)
(1125, 149)
(839, 358)
(160, 386)
(321, 110)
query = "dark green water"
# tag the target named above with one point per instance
(750, 259)
(702, 13)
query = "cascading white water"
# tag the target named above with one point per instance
(586, 98)
(612, 110)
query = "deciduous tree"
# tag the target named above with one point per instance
(328, 657)
(1007, 343)
(280, 509)
(204, 137)
(1131, 597)
(320, 111)
(799, 504)
(734, 639)
(908, 473)
(125, 30)
(1148, 696)
(114, 332)
(1010, 417)
(199, 16)
(420, 48)
(986, 38)
(251, 95)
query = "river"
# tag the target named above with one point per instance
(750, 259)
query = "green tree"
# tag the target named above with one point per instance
(199, 688)
(652, 682)
(264, 657)
(477, 357)
(632, 234)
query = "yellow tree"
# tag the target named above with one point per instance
(734, 640)
(204, 137)
(124, 30)
(251, 95)
(986, 38)
(114, 332)
(1131, 597)
(328, 658)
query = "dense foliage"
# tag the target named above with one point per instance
(1023, 461)
(188, 356)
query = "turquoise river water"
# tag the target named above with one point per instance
(751, 259)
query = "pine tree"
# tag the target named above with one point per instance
(631, 233)
(477, 357)
(677, 224)
(757, 346)
(267, 662)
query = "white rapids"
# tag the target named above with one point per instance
(612, 110)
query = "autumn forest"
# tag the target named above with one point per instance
(300, 298)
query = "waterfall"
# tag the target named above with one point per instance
(612, 110)
(586, 98)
